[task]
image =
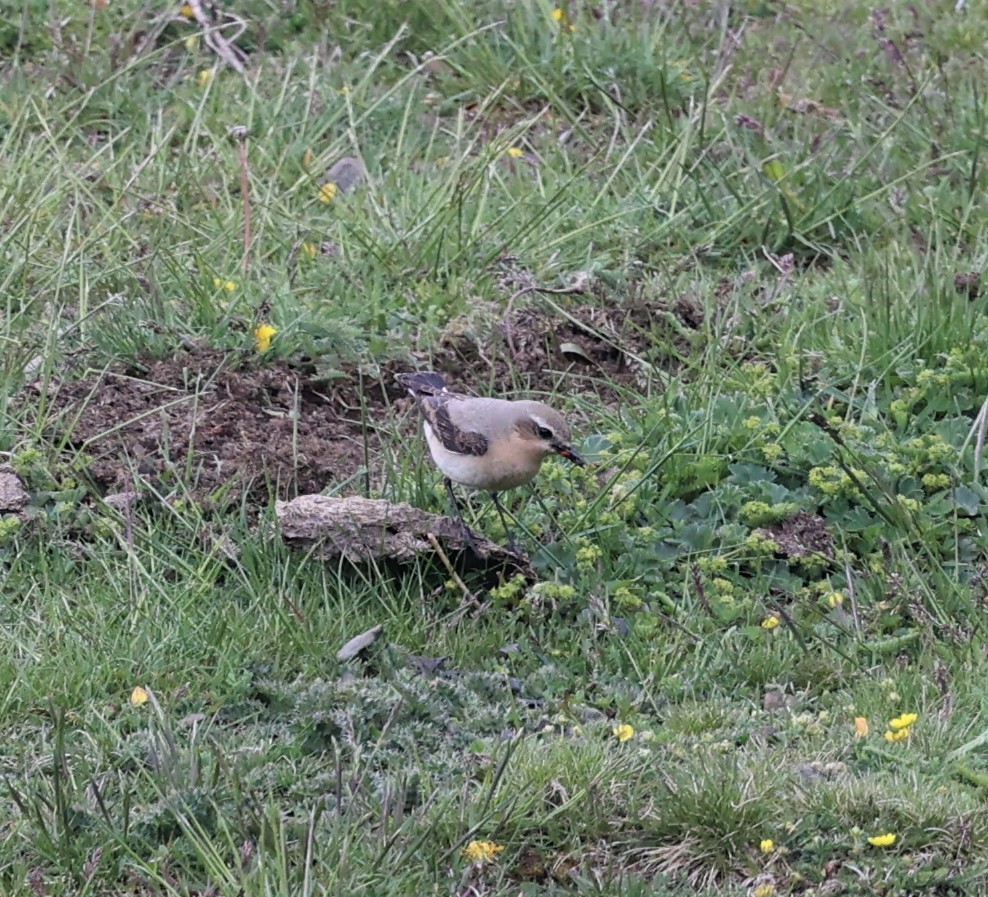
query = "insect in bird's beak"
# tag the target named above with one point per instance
(570, 454)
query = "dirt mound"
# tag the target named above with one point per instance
(198, 420)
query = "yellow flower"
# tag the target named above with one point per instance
(904, 721)
(262, 336)
(327, 192)
(766, 845)
(221, 284)
(191, 43)
(205, 76)
(482, 851)
(139, 696)
(770, 622)
(623, 732)
(835, 598)
(187, 11)
(860, 726)
(897, 735)
(559, 15)
(886, 840)
(764, 890)
(310, 250)
(515, 152)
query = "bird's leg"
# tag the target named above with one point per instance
(512, 545)
(468, 536)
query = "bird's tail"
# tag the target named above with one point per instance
(422, 383)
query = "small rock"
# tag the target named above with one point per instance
(810, 773)
(359, 643)
(619, 626)
(34, 368)
(13, 495)
(588, 715)
(347, 174)
(122, 501)
(774, 700)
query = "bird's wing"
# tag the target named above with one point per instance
(436, 411)
(434, 400)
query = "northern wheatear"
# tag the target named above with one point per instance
(489, 444)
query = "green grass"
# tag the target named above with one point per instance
(766, 208)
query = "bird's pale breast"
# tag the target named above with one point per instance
(493, 471)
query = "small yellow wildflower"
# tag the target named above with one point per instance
(835, 598)
(770, 622)
(764, 890)
(187, 11)
(191, 43)
(623, 732)
(310, 250)
(262, 336)
(559, 15)
(904, 721)
(515, 152)
(860, 726)
(327, 192)
(205, 76)
(766, 845)
(221, 284)
(886, 840)
(482, 851)
(139, 696)
(897, 735)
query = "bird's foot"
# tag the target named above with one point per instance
(469, 538)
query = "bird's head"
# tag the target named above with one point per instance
(546, 431)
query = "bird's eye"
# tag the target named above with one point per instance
(544, 432)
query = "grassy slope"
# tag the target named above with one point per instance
(670, 154)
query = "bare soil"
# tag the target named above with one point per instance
(193, 418)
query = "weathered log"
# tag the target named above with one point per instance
(359, 530)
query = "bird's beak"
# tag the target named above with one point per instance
(570, 454)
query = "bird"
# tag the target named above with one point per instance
(486, 443)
